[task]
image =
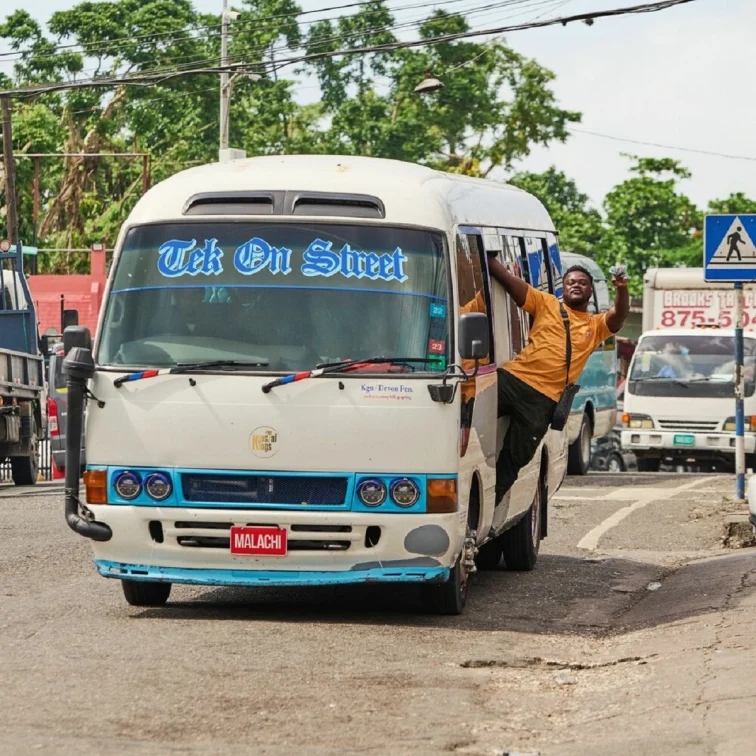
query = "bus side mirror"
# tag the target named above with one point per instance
(473, 336)
(76, 336)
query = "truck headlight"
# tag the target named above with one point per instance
(749, 424)
(636, 421)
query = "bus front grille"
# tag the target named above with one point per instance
(222, 488)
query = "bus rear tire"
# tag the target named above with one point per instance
(579, 454)
(140, 593)
(489, 555)
(521, 543)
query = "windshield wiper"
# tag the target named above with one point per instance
(187, 367)
(339, 367)
(679, 381)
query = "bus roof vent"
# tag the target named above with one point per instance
(344, 205)
(233, 203)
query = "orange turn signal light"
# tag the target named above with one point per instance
(441, 496)
(626, 419)
(96, 483)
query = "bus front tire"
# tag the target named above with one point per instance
(448, 598)
(521, 542)
(140, 593)
(579, 453)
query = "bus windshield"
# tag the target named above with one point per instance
(703, 362)
(286, 295)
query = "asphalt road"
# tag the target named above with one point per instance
(633, 635)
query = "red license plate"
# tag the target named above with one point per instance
(258, 540)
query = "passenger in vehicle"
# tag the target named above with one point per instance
(530, 385)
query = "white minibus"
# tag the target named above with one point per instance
(283, 390)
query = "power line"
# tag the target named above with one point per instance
(143, 80)
(644, 8)
(199, 59)
(661, 146)
(179, 35)
(242, 53)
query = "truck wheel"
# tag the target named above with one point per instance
(141, 593)
(25, 470)
(521, 543)
(579, 455)
(649, 464)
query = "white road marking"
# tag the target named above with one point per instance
(647, 495)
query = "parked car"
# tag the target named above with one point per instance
(57, 408)
(607, 455)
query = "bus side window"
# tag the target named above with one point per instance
(536, 257)
(551, 253)
(519, 324)
(472, 284)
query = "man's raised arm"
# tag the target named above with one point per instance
(514, 286)
(617, 315)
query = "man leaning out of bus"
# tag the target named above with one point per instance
(531, 384)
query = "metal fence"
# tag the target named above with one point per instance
(45, 463)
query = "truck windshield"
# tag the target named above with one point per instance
(703, 363)
(290, 296)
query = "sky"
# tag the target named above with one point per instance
(680, 77)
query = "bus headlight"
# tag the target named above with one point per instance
(372, 492)
(404, 493)
(128, 485)
(158, 486)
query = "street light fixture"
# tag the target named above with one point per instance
(428, 84)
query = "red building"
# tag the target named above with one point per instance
(53, 294)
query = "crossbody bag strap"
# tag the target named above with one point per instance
(568, 351)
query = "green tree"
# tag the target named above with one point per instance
(469, 126)
(494, 106)
(579, 225)
(649, 223)
(737, 202)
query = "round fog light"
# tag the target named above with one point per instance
(404, 492)
(158, 486)
(372, 492)
(128, 485)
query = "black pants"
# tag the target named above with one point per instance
(530, 412)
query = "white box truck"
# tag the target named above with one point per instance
(679, 403)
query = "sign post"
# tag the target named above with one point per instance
(730, 255)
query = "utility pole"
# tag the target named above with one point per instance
(10, 170)
(225, 90)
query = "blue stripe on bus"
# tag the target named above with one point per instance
(192, 576)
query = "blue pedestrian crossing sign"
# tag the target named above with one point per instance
(729, 249)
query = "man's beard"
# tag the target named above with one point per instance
(581, 301)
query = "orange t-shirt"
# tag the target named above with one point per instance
(543, 363)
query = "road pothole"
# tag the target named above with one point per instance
(538, 662)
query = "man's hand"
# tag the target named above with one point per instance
(619, 276)
(617, 315)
